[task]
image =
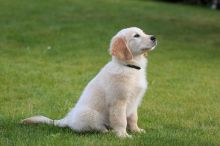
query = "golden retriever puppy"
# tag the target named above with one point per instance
(111, 98)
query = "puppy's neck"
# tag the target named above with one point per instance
(139, 60)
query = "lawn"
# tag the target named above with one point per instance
(50, 50)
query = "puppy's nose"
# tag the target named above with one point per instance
(153, 38)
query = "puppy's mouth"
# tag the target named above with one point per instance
(150, 48)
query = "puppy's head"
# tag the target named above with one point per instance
(131, 42)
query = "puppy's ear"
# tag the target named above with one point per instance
(119, 49)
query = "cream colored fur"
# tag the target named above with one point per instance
(112, 97)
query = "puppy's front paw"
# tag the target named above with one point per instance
(123, 135)
(141, 130)
(138, 130)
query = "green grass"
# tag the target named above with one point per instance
(50, 50)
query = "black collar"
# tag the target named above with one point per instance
(133, 66)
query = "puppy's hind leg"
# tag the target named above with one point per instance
(87, 119)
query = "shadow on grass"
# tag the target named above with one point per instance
(14, 125)
(12, 131)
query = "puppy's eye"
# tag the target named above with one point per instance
(136, 35)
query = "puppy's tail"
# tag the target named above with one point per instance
(43, 120)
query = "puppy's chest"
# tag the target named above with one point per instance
(136, 93)
(139, 85)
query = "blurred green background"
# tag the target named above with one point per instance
(214, 4)
(50, 50)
